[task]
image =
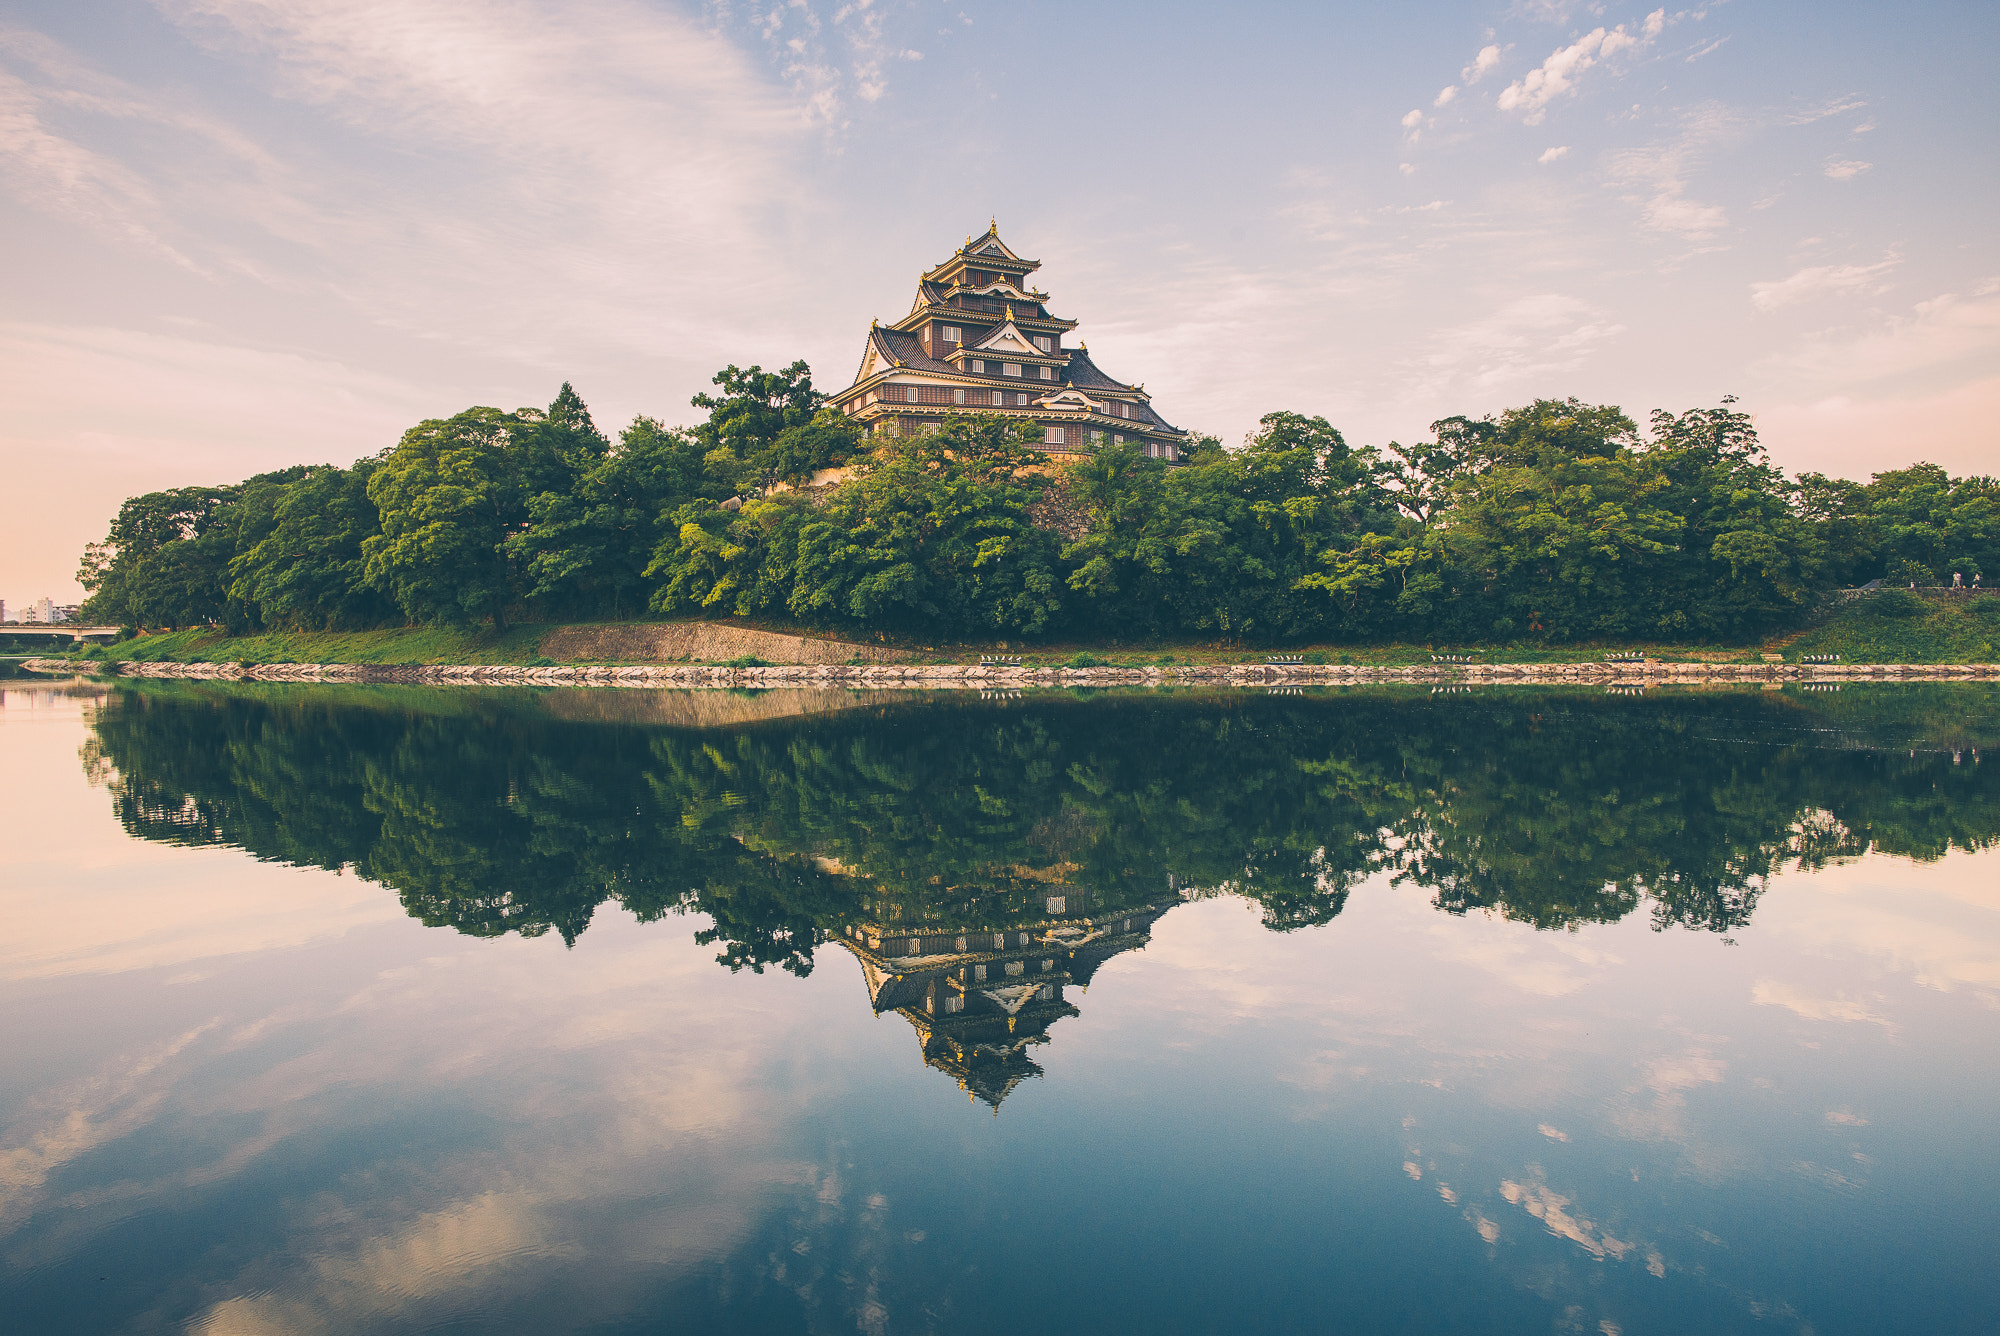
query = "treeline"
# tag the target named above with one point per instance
(491, 813)
(1554, 521)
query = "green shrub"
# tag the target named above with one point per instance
(1317, 656)
(1085, 660)
(1897, 603)
(746, 661)
(1164, 658)
(541, 661)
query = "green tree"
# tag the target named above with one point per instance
(768, 427)
(935, 534)
(307, 571)
(449, 496)
(586, 549)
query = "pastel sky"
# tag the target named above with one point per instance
(249, 233)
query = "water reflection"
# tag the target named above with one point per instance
(981, 995)
(982, 860)
(1575, 1109)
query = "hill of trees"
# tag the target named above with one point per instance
(1555, 521)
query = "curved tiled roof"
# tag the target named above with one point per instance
(900, 346)
(1087, 375)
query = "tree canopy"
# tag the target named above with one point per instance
(1554, 521)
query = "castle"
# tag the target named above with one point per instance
(982, 992)
(979, 340)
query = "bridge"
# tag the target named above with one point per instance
(103, 635)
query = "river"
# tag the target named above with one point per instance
(400, 1009)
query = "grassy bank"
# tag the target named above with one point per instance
(1899, 627)
(1895, 627)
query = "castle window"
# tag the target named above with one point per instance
(1014, 968)
(951, 333)
(999, 941)
(978, 367)
(1010, 369)
(1048, 965)
(1052, 436)
(1048, 373)
(979, 974)
(1058, 904)
(958, 943)
(999, 399)
(1020, 401)
(1119, 439)
(1043, 342)
(958, 396)
(1097, 438)
(953, 1004)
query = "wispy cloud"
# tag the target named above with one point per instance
(1526, 339)
(1819, 111)
(1551, 154)
(1814, 1006)
(1821, 281)
(1944, 331)
(1657, 177)
(1846, 169)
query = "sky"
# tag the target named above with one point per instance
(243, 234)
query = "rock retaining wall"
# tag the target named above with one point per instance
(971, 676)
(666, 642)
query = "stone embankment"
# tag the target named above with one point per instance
(975, 676)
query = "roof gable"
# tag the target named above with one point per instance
(1008, 339)
(1070, 400)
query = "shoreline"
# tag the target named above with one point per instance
(969, 676)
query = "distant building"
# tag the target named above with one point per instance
(46, 612)
(979, 340)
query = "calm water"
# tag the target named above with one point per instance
(394, 1010)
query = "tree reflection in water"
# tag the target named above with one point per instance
(980, 859)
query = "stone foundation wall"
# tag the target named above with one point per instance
(669, 642)
(969, 676)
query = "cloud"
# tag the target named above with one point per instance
(1821, 110)
(1551, 154)
(1532, 93)
(1553, 1210)
(1413, 118)
(1947, 330)
(1846, 169)
(1445, 95)
(1481, 65)
(1657, 177)
(1775, 993)
(1821, 280)
(1855, 434)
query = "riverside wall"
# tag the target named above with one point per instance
(986, 677)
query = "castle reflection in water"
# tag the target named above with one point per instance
(982, 995)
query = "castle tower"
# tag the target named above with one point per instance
(978, 339)
(982, 996)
